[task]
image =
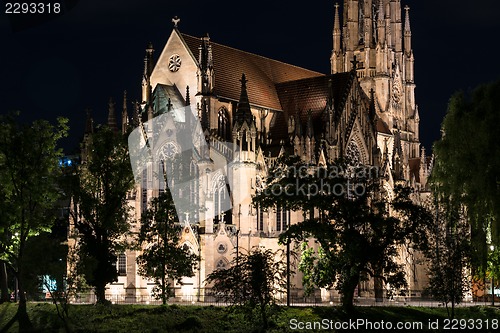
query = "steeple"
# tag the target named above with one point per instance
(381, 24)
(148, 69)
(124, 114)
(336, 60)
(111, 115)
(244, 128)
(243, 112)
(89, 122)
(407, 31)
(188, 102)
(205, 72)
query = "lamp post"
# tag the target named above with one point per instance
(492, 248)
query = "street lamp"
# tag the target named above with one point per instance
(492, 248)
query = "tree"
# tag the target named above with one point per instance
(29, 159)
(100, 211)
(467, 160)
(357, 229)
(253, 280)
(163, 258)
(449, 253)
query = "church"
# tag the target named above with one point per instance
(250, 109)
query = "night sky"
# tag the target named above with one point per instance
(95, 50)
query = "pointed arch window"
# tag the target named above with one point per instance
(223, 123)
(122, 264)
(221, 201)
(282, 218)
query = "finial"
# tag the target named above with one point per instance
(188, 102)
(125, 100)
(111, 114)
(243, 80)
(354, 63)
(336, 24)
(176, 21)
(407, 18)
(169, 104)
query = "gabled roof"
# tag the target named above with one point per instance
(300, 96)
(262, 73)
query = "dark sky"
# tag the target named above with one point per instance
(95, 49)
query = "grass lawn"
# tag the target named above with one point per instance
(175, 318)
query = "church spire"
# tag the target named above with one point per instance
(148, 69)
(111, 115)
(89, 123)
(407, 32)
(243, 112)
(336, 60)
(205, 71)
(124, 114)
(188, 102)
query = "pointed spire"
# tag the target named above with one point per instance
(169, 105)
(89, 123)
(407, 32)
(124, 114)
(336, 22)
(205, 67)
(188, 102)
(372, 111)
(111, 115)
(135, 115)
(298, 125)
(243, 112)
(407, 18)
(310, 127)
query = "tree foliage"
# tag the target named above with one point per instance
(467, 164)
(163, 258)
(100, 212)
(450, 254)
(357, 229)
(29, 159)
(253, 280)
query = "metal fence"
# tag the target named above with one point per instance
(210, 299)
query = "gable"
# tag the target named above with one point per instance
(185, 75)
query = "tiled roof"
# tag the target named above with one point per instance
(300, 96)
(382, 126)
(262, 73)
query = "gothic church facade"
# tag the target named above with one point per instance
(364, 108)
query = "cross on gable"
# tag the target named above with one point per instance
(354, 63)
(175, 21)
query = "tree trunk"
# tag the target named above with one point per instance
(100, 293)
(348, 293)
(22, 314)
(378, 285)
(5, 297)
(264, 316)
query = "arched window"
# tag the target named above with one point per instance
(222, 263)
(222, 203)
(223, 123)
(282, 218)
(122, 264)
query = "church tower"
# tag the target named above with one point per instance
(374, 34)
